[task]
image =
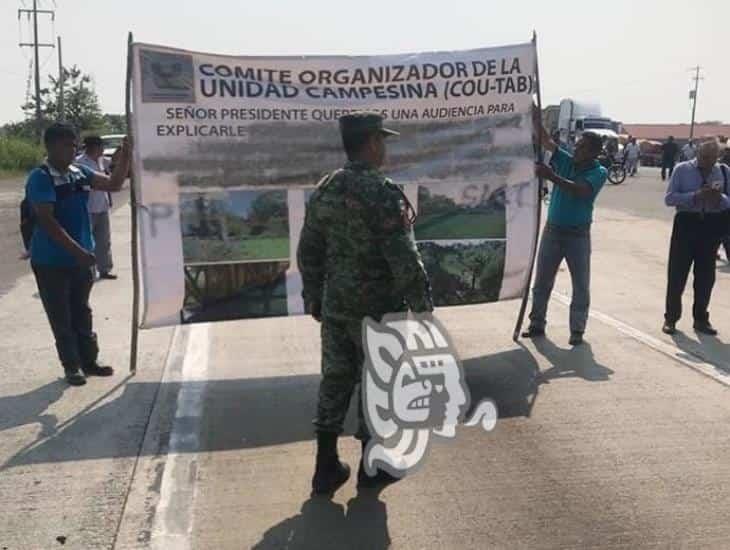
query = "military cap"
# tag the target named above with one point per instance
(364, 122)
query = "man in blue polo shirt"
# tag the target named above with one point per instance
(61, 248)
(577, 179)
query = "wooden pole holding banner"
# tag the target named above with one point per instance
(134, 206)
(540, 158)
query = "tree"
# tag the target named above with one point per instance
(268, 205)
(114, 124)
(25, 129)
(434, 203)
(475, 262)
(80, 102)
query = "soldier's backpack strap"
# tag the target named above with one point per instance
(327, 178)
(409, 212)
(28, 220)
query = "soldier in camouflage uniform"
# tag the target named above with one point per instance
(357, 258)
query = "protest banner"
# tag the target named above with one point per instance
(228, 149)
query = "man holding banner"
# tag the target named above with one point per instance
(357, 259)
(577, 179)
(61, 248)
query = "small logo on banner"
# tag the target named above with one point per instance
(167, 77)
(413, 388)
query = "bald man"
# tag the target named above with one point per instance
(699, 190)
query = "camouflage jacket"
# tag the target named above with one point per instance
(356, 253)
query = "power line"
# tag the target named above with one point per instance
(693, 97)
(36, 64)
(29, 82)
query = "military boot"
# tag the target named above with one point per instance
(380, 479)
(329, 473)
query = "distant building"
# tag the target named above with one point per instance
(660, 132)
(650, 137)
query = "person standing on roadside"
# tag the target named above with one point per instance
(62, 244)
(611, 149)
(632, 152)
(577, 180)
(670, 151)
(725, 159)
(699, 191)
(689, 151)
(99, 206)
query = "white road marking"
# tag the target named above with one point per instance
(173, 521)
(672, 351)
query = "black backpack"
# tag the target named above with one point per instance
(27, 216)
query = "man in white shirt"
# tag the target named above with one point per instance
(632, 152)
(689, 151)
(99, 206)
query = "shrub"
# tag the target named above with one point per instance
(19, 155)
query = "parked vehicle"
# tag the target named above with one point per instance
(577, 117)
(111, 142)
(651, 152)
(550, 118)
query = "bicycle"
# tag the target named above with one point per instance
(616, 170)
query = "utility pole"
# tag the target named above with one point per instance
(36, 45)
(693, 97)
(61, 111)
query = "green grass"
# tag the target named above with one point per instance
(18, 155)
(461, 225)
(273, 228)
(214, 250)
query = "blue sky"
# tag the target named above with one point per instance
(631, 55)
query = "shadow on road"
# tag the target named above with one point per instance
(29, 408)
(323, 524)
(509, 378)
(238, 413)
(575, 362)
(708, 349)
(113, 429)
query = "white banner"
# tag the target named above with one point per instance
(228, 149)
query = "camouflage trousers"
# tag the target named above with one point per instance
(342, 360)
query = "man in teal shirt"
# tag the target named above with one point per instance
(577, 180)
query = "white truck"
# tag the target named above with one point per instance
(577, 117)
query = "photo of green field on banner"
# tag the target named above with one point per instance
(234, 226)
(444, 214)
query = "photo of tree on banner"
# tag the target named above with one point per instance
(464, 272)
(447, 212)
(234, 226)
